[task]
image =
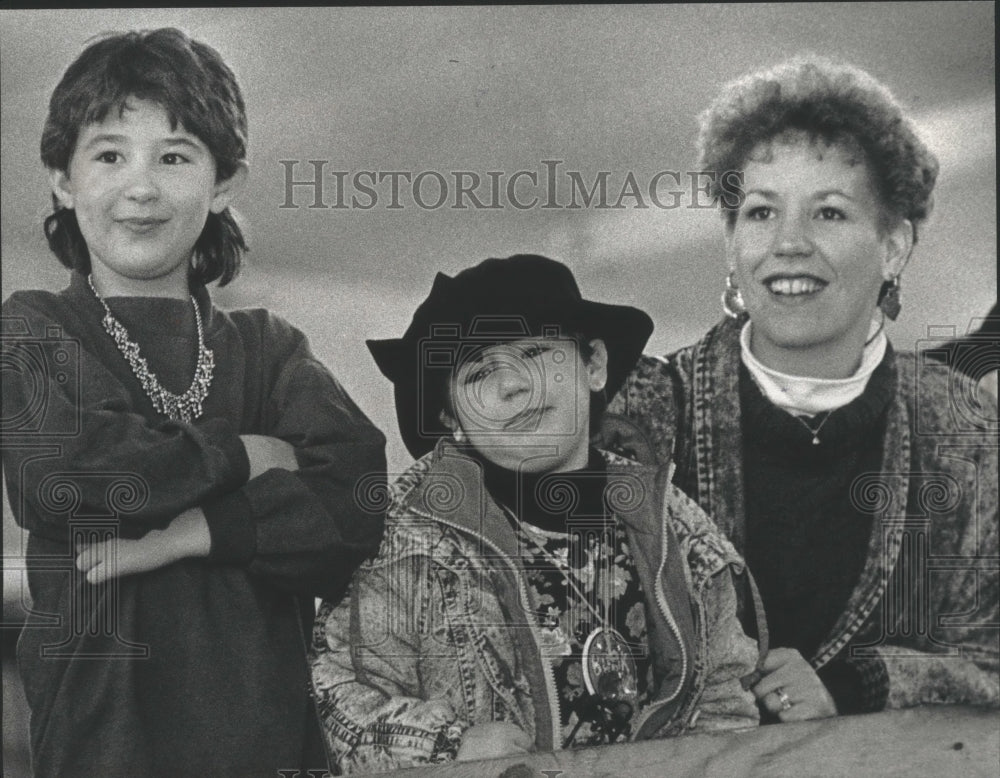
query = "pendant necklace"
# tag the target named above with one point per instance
(609, 669)
(815, 432)
(181, 407)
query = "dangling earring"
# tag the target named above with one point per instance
(732, 299)
(452, 424)
(889, 298)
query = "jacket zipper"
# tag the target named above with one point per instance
(547, 674)
(661, 600)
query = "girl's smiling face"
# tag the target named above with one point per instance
(525, 405)
(810, 255)
(142, 191)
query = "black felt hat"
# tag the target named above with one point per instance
(497, 300)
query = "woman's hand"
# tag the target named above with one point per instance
(791, 689)
(266, 452)
(186, 536)
(493, 739)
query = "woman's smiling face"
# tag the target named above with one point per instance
(809, 255)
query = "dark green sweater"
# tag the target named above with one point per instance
(197, 668)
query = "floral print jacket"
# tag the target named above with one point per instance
(922, 623)
(437, 632)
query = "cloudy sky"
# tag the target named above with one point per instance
(508, 90)
(475, 91)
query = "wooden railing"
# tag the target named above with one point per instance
(932, 741)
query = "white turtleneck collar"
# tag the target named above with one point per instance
(805, 396)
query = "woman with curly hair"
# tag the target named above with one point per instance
(864, 503)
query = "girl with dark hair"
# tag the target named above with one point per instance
(218, 455)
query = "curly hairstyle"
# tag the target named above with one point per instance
(198, 91)
(838, 104)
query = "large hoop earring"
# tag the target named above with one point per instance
(732, 299)
(889, 298)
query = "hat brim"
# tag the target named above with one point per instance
(418, 408)
(625, 331)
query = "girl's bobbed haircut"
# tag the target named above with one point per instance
(198, 91)
(838, 104)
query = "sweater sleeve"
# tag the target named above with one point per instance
(73, 444)
(857, 685)
(306, 531)
(900, 677)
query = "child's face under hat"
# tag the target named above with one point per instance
(530, 389)
(142, 191)
(525, 405)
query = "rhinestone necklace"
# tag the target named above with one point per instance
(180, 407)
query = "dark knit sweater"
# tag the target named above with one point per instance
(933, 496)
(806, 539)
(520, 492)
(197, 668)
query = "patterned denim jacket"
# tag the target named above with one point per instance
(435, 634)
(921, 624)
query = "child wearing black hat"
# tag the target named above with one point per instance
(531, 592)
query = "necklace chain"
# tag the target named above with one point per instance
(566, 570)
(181, 407)
(815, 432)
(610, 674)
